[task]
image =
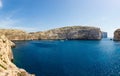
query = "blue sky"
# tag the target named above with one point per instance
(38, 15)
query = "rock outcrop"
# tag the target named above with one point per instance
(7, 68)
(73, 32)
(104, 34)
(117, 35)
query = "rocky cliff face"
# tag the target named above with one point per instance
(7, 68)
(73, 32)
(117, 35)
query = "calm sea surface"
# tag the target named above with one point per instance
(69, 58)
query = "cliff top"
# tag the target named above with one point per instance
(11, 31)
(74, 27)
(117, 30)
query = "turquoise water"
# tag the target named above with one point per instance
(69, 58)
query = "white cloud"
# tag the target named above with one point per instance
(1, 4)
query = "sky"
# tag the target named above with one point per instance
(40, 15)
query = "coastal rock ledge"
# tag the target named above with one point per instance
(7, 68)
(117, 35)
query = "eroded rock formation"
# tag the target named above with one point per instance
(7, 68)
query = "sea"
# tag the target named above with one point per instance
(68, 57)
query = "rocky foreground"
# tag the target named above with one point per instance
(71, 32)
(7, 68)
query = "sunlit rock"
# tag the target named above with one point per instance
(7, 68)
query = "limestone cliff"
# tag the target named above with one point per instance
(73, 32)
(117, 35)
(7, 68)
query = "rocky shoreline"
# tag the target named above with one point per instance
(7, 68)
